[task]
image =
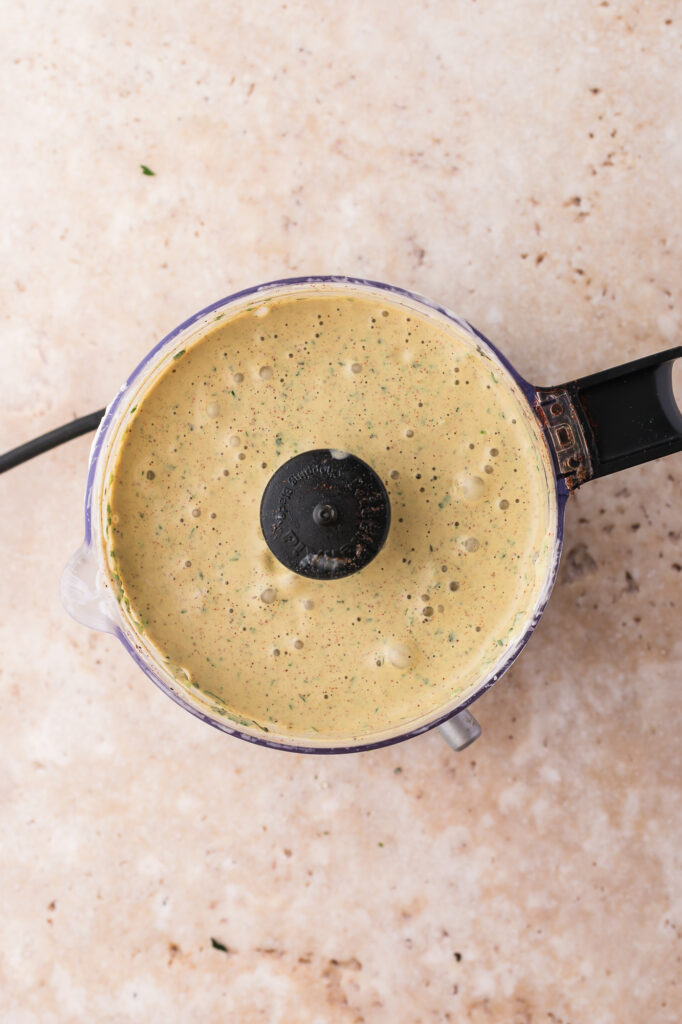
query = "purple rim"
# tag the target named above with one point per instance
(561, 493)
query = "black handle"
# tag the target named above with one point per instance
(614, 419)
(629, 413)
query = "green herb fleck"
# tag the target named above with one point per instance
(147, 170)
(219, 945)
(180, 353)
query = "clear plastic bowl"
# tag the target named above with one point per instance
(86, 587)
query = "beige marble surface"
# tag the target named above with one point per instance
(521, 163)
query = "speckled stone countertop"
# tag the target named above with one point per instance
(520, 163)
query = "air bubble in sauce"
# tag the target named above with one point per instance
(399, 654)
(471, 488)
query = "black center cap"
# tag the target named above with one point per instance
(325, 514)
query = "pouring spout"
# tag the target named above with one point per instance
(84, 594)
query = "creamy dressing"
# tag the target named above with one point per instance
(472, 516)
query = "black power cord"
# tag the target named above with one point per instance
(41, 444)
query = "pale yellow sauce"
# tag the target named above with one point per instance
(471, 533)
